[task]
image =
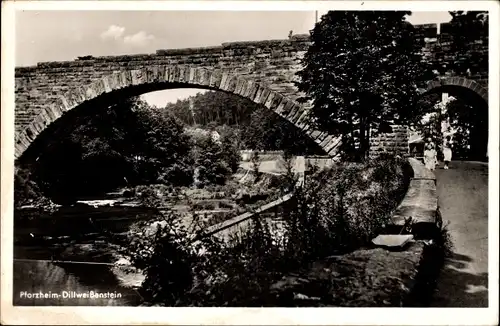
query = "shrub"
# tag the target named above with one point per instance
(343, 208)
(27, 191)
(230, 147)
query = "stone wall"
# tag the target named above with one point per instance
(448, 63)
(395, 142)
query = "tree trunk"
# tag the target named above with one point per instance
(367, 140)
(363, 138)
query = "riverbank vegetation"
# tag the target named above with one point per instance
(336, 211)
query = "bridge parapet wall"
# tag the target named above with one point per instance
(271, 63)
(471, 63)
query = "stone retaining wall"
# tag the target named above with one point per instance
(420, 202)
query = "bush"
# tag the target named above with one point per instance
(27, 191)
(343, 208)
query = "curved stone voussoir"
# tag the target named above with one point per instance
(433, 84)
(484, 94)
(230, 83)
(182, 75)
(467, 83)
(107, 84)
(281, 107)
(252, 91)
(125, 79)
(202, 77)
(98, 87)
(113, 81)
(215, 79)
(153, 74)
(240, 85)
(452, 81)
(271, 100)
(246, 86)
(69, 100)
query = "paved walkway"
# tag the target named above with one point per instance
(463, 200)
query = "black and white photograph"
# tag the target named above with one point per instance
(302, 157)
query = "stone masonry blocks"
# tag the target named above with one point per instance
(281, 106)
(294, 113)
(138, 76)
(287, 108)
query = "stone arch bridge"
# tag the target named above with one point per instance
(261, 71)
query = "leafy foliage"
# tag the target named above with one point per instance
(362, 72)
(27, 191)
(255, 160)
(258, 127)
(215, 160)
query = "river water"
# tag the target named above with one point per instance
(67, 257)
(83, 237)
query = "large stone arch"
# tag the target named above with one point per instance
(159, 77)
(398, 139)
(475, 94)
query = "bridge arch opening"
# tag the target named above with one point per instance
(54, 153)
(132, 83)
(467, 113)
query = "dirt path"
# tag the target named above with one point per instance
(463, 200)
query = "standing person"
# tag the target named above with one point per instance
(447, 152)
(430, 157)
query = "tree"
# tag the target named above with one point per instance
(127, 143)
(210, 161)
(230, 143)
(255, 160)
(470, 126)
(165, 148)
(260, 128)
(362, 73)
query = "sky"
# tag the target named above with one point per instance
(64, 35)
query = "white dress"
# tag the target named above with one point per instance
(430, 159)
(447, 153)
